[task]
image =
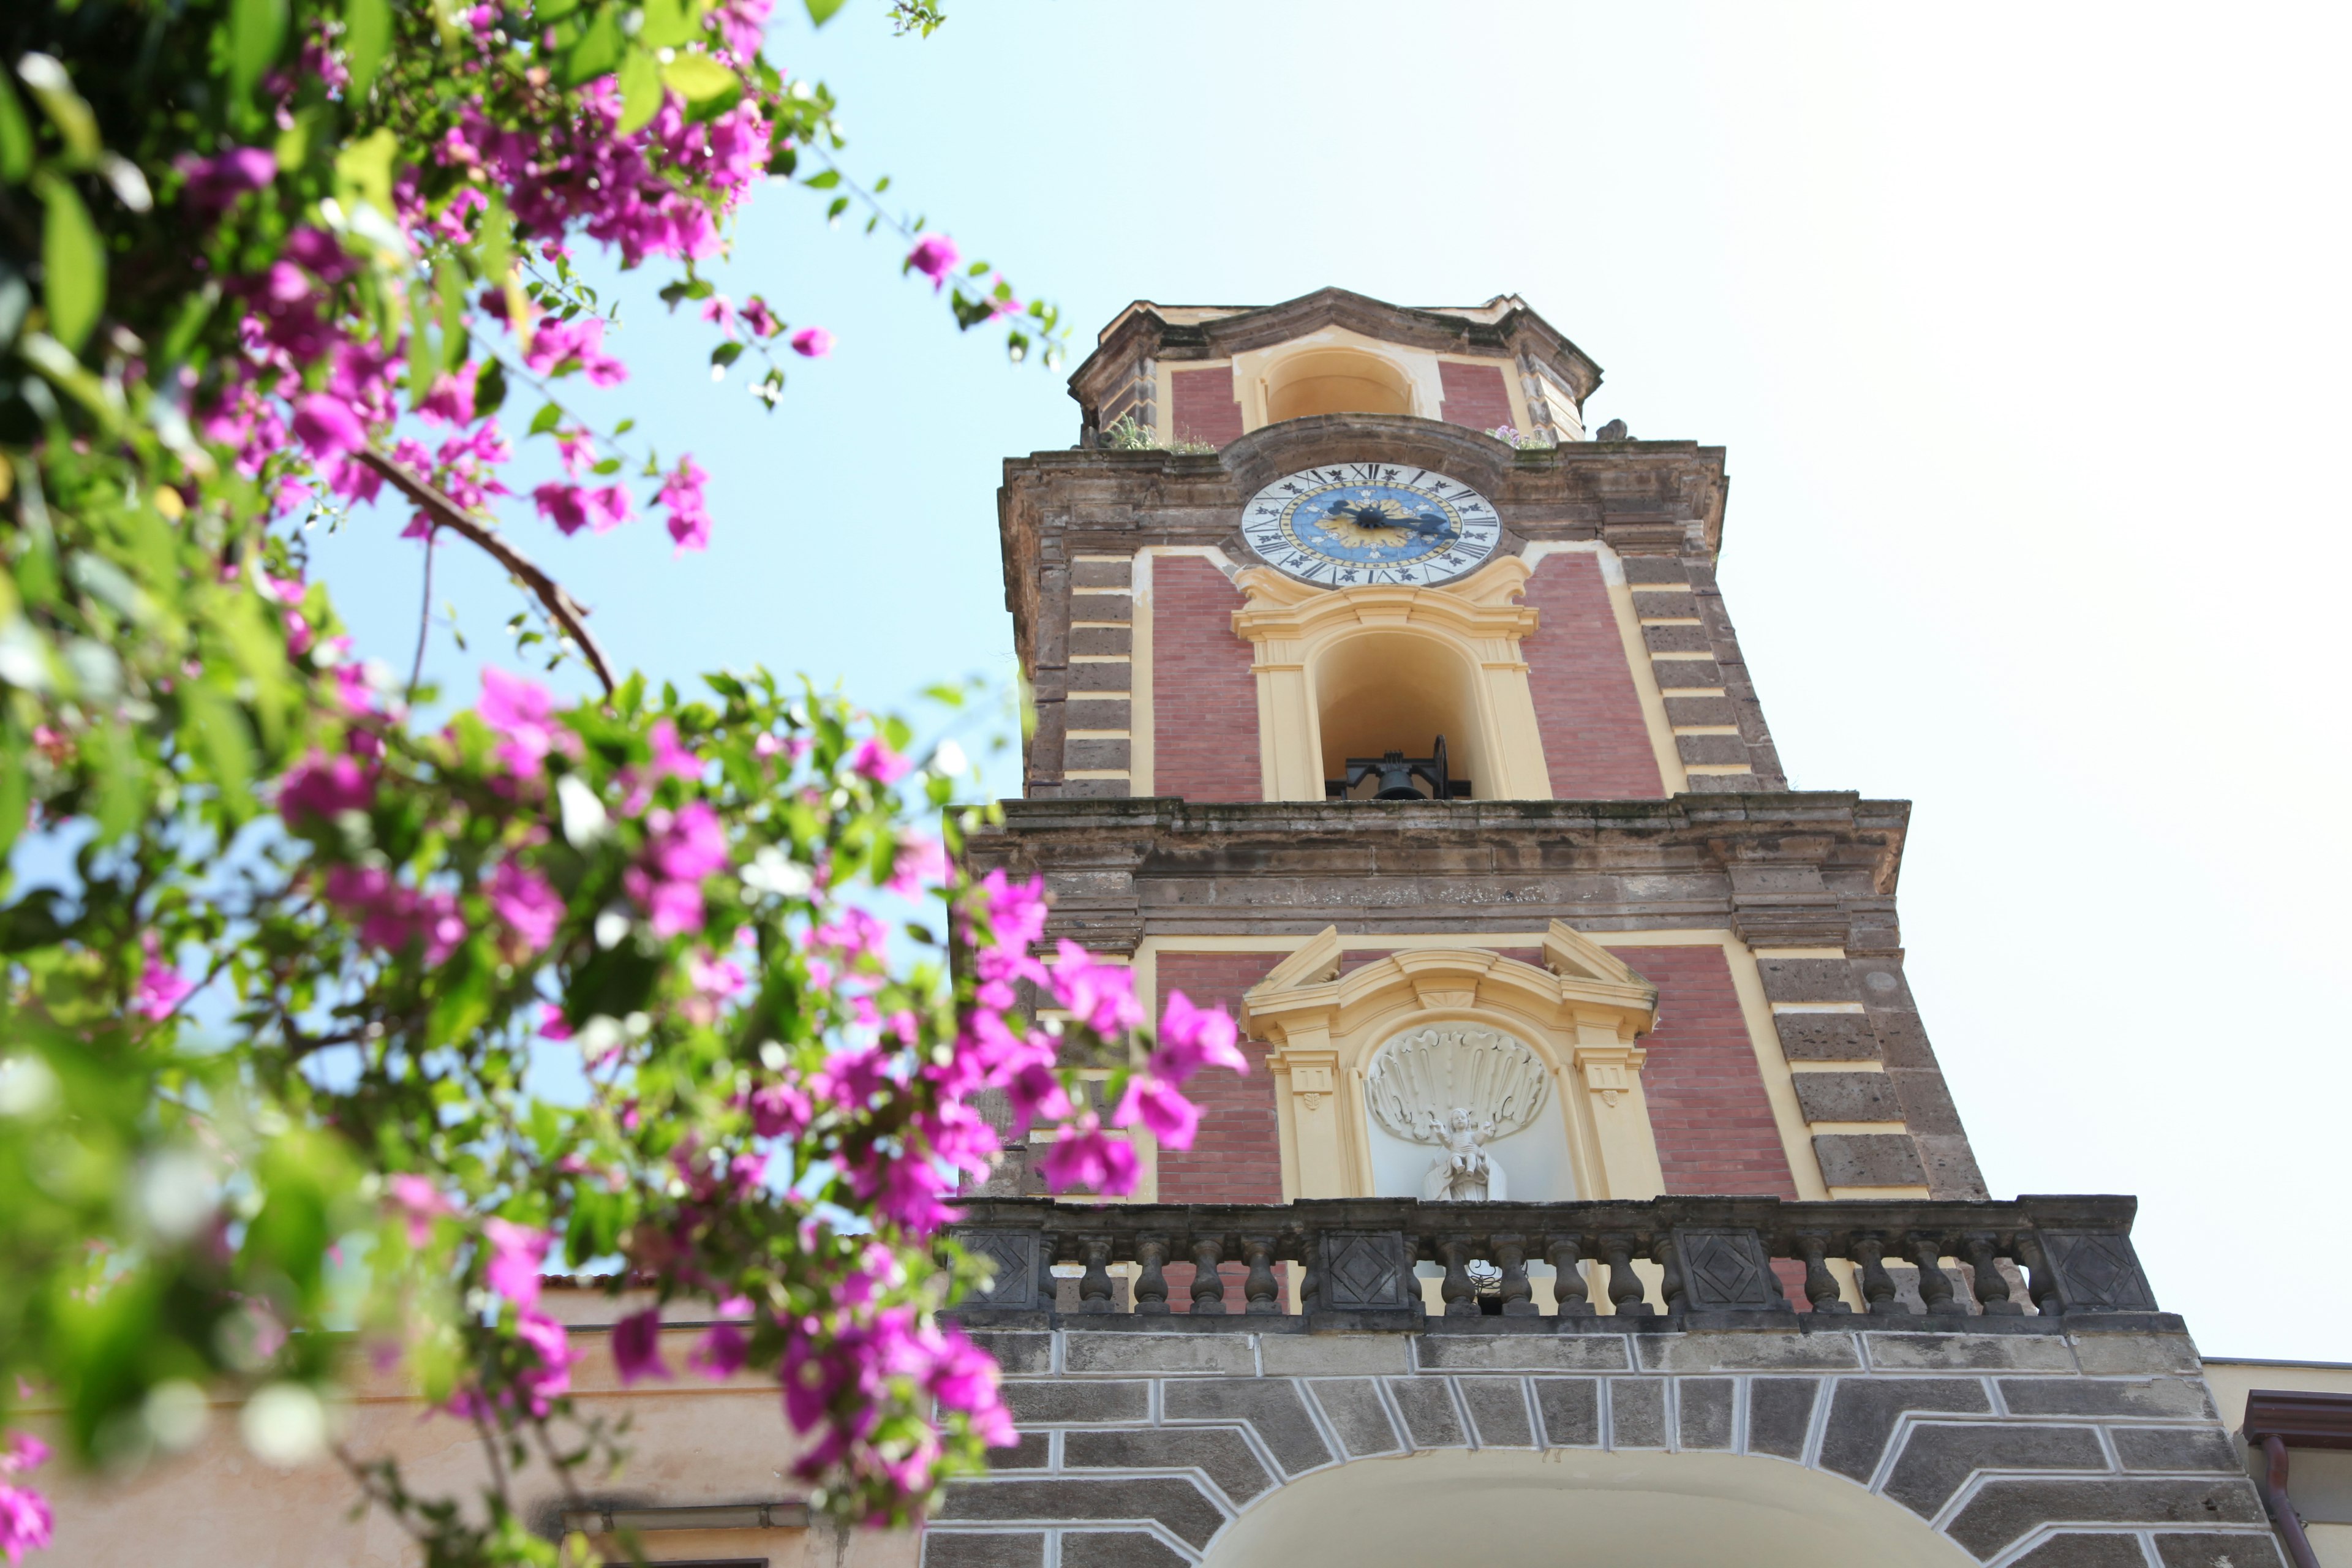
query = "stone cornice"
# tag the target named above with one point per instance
(1141, 332)
(1785, 869)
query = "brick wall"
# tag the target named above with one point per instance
(1475, 396)
(1236, 1155)
(1202, 405)
(1708, 1105)
(1596, 742)
(1203, 697)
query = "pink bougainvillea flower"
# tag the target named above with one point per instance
(161, 987)
(566, 506)
(451, 401)
(322, 786)
(26, 1522)
(419, 1201)
(1101, 995)
(681, 493)
(551, 1022)
(1192, 1039)
(527, 902)
(22, 1452)
(327, 427)
(921, 862)
(874, 759)
(720, 311)
(813, 342)
(516, 1253)
(1084, 1155)
(549, 1342)
(578, 449)
(670, 758)
(637, 1346)
(934, 255)
(521, 713)
(1160, 1106)
(215, 183)
(608, 507)
(720, 1353)
(759, 318)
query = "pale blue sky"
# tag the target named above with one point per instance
(2022, 326)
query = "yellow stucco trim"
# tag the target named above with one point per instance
(1837, 1067)
(1879, 1194)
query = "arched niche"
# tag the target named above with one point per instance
(1581, 1011)
(1528, 1153)
(1397, 690)
(1335, 381)
(1675, 1511)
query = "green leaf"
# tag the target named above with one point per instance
(449, 283)
(823, 181)
(367, 38)
(363, 170)
(423, 363)
(489, 389)
(598, 51)
(641, 91)
(726, 354)
(226, 743)
(669, 23)
(64, 106)
(73, 264)
(121, 794)
(496, 246)
(838, 205)
(607, 469)
(707, 87)
(546, 419)
(821, 11)
(256, 33)
(15, 786)
(15, 136)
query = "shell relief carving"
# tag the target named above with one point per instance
(1460, 1088)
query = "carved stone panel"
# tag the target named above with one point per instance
(1726, 1271)
(2097, 1271)
(1015, 1255)
(1361, 1270)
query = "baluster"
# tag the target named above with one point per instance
(1991, 1289)
(1151, 1284)
(1257, 1251)
(1935, 1285)
(2041, 1278)
(1821, 1285)
(1662, 1252)
(1567, 1280)
(1094, 1285)
(1208, 1284)
(1519, 1296)
(1461, 1296)
(1624, 1285)
(1877, 1285)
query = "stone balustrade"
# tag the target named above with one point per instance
(1681, 1261)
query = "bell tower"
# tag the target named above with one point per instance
(1379, 701)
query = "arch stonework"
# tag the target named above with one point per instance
(2061, 1445)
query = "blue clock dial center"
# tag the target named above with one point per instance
(1356, 525)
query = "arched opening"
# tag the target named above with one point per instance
(1665, 1510)
(1335, 381)
(1383, 692)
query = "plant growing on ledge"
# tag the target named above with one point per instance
(1124, 434)
(269, 260)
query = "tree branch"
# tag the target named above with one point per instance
(569, 613)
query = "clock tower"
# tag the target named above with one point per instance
(1379, 701)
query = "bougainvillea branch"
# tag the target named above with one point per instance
(441, 512)
(294, 968)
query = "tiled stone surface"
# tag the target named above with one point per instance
(1153, 1442)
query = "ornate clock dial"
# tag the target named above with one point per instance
(1350, 524)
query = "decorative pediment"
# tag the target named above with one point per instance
(1478, 607)
(1306, 999)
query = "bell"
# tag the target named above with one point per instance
(1396, 779)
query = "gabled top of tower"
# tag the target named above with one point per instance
(1175, 375)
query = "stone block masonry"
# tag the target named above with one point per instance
(2070, 1445)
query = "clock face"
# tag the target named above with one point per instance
(1351, 524)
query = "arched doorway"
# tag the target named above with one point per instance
(1660, 1509)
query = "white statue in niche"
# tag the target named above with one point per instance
(1460, 1088)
